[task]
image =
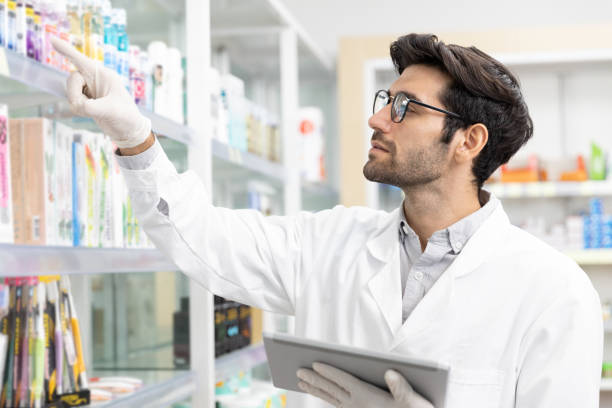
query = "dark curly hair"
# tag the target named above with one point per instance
(482, 90)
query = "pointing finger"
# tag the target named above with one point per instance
(85, 65)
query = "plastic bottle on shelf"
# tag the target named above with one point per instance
(21, 28)
(110, 37)
(3, 11)
(122, 46)
(86, 23)
(136, 76)
(11, 25)
(157, 54)
(74, 12)
(145, 65)
(50, 30)
(30, 29)
(97, 30)
(63, 31)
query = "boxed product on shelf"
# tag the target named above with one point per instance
(33, 172)
(65, 188)
(232, 326)
(6, 204)
(311, 144)
(44, 358)
(259, 394)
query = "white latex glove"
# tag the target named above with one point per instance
(342, 390)
(98, 92)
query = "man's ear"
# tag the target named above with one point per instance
(474, 139)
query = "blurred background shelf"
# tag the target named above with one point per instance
(28, 260)
(27, 82)
(550, 189)
(160, 388)
(235, 24)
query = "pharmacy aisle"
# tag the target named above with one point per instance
(91, 311)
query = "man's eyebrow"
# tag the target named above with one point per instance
(409, 94)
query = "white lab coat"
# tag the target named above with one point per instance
(519, 323)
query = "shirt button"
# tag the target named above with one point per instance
(459, 245)
(418, 275)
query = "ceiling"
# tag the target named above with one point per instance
(328, 20)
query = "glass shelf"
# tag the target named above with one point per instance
(29, 260)
(235, 164)
(160, 388)
(38, 78)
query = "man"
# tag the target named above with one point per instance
(445, 277)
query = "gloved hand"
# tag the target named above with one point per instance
(343, 390)
(98, 92)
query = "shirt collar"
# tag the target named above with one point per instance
(456, 235)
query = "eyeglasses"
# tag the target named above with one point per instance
(400, 104)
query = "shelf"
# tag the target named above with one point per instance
(240, 360)
(37, 78)
(606, 384)
(591, 256)
(550, 189)
(229, 162)
(235, 25)
(26, 260)
(160, 389)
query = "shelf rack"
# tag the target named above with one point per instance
(591, 257)
(550, 189)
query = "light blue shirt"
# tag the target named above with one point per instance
(421, 269)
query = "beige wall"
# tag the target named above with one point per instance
(353, 52)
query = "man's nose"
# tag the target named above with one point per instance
(381, 120)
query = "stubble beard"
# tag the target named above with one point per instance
(416, 169)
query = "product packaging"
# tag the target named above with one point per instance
(6, 205)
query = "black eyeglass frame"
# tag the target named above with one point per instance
(393, 98)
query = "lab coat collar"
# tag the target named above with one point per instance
(385, 285)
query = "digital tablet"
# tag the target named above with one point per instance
(286, 354)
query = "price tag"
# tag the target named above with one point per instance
(4, 68)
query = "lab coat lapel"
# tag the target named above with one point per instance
(385, 286)
(433, 315)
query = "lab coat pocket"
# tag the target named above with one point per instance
(474, 388)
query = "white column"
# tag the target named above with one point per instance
(201, 329)
(289, 126)
(289, 112)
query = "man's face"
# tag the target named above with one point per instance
(410, 153)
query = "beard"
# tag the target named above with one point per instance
(415, 168)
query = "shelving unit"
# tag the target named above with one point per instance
(27, 83)
(606, 384)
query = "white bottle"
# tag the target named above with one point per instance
(21, 28)
(3, 22)
(158, 56)
(175, 85)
